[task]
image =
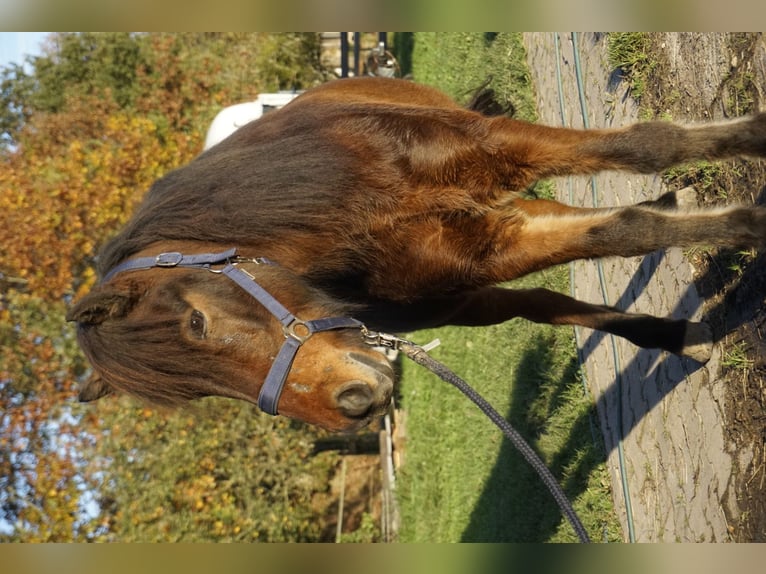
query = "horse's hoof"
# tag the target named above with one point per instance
(686, 199)
(698, 342)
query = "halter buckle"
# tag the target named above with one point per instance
(169, 259)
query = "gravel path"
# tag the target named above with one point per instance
(664, 414)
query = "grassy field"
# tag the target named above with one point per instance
(462, 480)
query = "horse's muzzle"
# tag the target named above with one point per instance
(358, 399)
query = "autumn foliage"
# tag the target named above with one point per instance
(103, 116)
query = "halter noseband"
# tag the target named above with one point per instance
(295, 330)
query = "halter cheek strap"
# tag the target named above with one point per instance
(296, 331)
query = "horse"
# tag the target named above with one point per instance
(255, 271)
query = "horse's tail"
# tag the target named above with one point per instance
(484, 101)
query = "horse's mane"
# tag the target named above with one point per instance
(261, 181)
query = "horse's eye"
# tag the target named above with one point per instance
(198, 324)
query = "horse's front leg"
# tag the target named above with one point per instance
(493, 305)
(529, 235)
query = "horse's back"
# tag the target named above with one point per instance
(379, 91)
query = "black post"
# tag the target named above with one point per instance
(357, 40)
(344, 54)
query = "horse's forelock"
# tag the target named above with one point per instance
(144, 354)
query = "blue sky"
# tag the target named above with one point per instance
(15, 45)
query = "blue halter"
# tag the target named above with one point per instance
(295, 330)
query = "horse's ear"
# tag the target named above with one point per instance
(101, 304)
(93, 389)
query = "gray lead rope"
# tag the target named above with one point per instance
(420, 356)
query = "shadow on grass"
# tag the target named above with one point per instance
(515, 505)
(402, 48)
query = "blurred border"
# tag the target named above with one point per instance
(381, 559)
(669, 15)
(396, 15)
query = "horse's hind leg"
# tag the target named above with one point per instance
(529, 152)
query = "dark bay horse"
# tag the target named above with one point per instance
(384, 201)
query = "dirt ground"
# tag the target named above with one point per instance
(361, 488)
(718, 76)
(693, 436)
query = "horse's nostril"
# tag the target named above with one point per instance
(355, 399)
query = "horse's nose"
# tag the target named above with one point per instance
(369, 392)
(355, 399)
(379, 367)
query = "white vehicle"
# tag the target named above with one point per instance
(234, 117)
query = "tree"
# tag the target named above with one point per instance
(88, 63)
(100, 117)
(281, 60)
(41, 473)
(15, 90)
(219, 472)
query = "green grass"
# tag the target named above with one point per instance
(737, 357)
(629, 51)
(459, 62)
(462, 480)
